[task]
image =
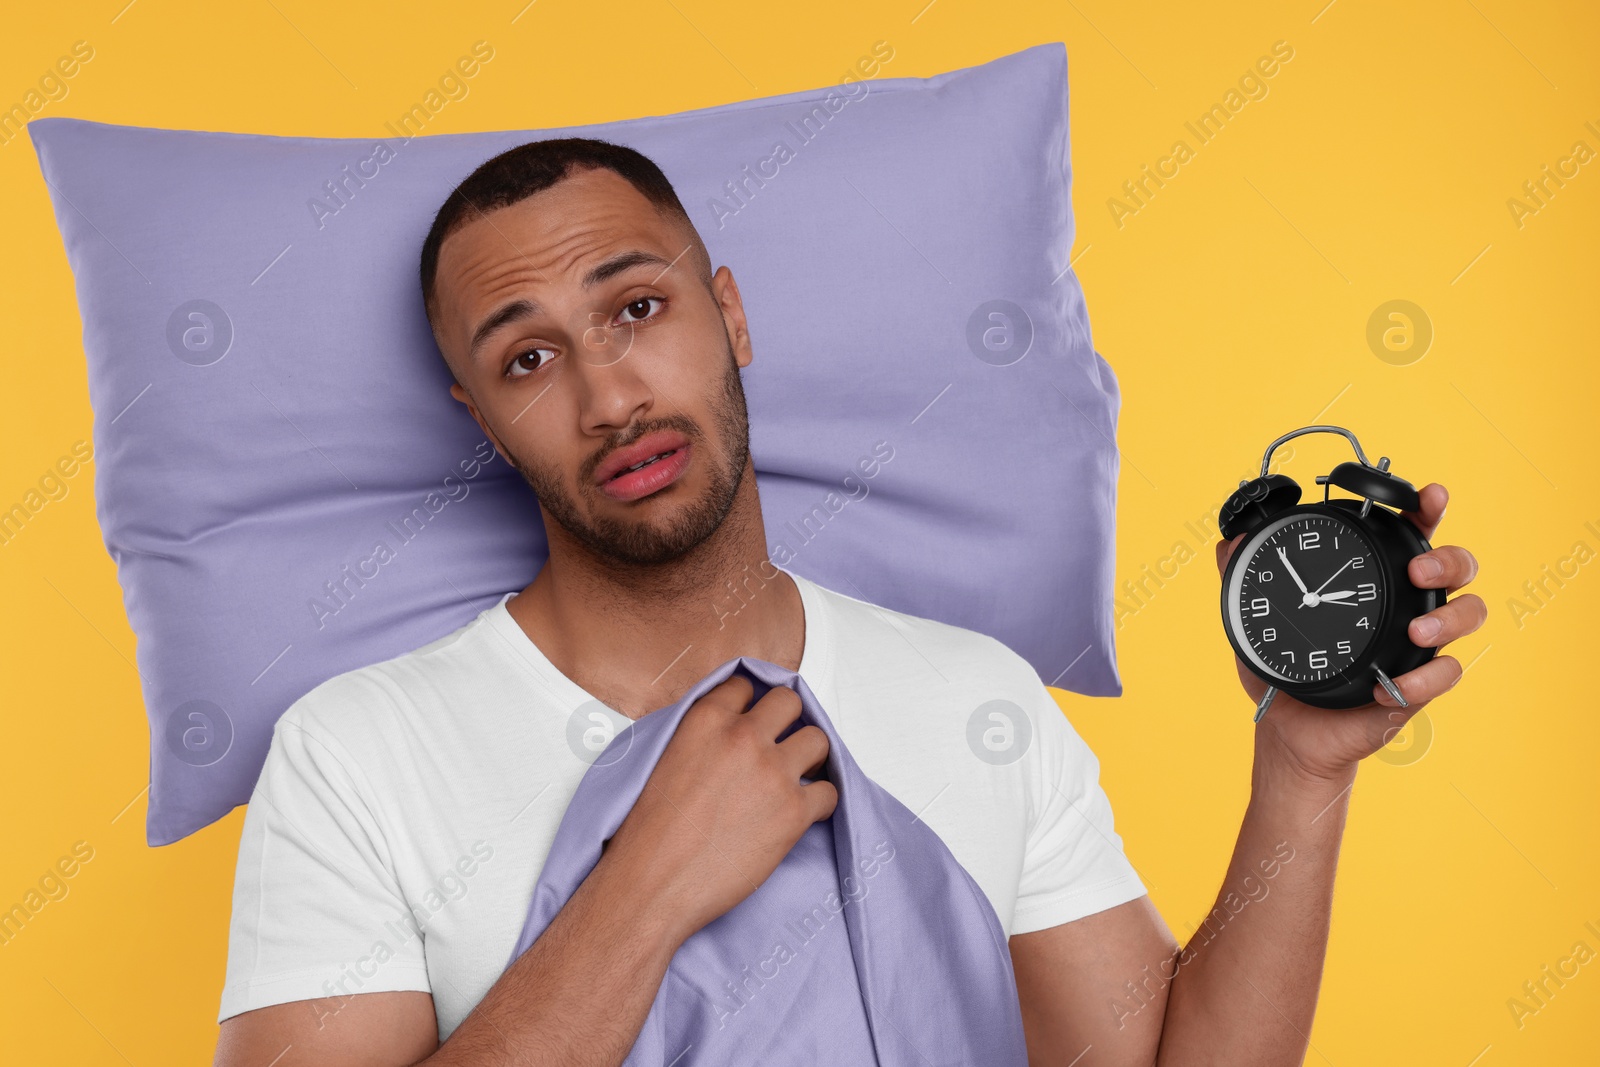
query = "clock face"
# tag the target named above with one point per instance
(1306, 597)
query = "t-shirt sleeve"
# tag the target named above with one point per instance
(1073, 864)
(317, 911)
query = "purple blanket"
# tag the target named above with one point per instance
(869, 944)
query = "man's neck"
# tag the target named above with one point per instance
(637, 637)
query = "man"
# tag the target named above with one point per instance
(405, 808)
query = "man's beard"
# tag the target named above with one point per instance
(649, 542)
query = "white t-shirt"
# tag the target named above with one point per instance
(405, 809)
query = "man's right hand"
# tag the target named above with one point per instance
(723, 806)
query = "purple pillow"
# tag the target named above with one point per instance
(289, 492)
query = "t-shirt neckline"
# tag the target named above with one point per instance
(816, 657)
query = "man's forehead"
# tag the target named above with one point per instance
(579, 233)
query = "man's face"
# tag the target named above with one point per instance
(577, 323)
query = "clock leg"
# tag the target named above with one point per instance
(1266, 702)
(1393, 689)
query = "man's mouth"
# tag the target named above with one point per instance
(650, 464)
(642, 465)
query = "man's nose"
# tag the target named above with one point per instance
(611, 393)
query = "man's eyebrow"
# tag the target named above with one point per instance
(503, 316)
(620, 262)
(524, 309)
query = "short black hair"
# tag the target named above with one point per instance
(518, 173)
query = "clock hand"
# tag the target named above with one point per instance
(1285, 557)
(1341, 594)
(1335, 574)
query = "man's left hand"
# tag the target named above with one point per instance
(1325, 744)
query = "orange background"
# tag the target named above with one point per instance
(1234, 304)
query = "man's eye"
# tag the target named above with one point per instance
(641, 306)
(527, 362)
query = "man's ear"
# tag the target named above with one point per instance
(466, 398)
(726, 292)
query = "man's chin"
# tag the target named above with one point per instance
(649, 530)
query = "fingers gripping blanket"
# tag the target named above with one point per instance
(869, 944)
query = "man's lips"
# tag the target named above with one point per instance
(653, 477)
(647, 446)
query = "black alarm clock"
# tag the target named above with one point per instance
(1316, 600)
